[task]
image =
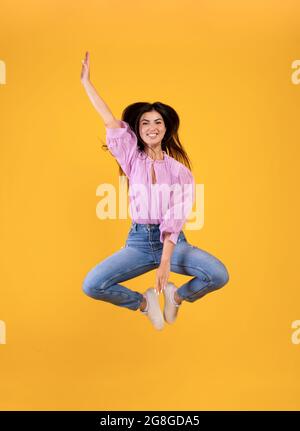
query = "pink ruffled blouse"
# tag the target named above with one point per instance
(167, 202)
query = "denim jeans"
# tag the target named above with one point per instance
(142, 253)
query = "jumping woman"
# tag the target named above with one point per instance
(147, 148)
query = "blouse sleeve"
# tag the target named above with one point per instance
(180, 206)
(122, 143)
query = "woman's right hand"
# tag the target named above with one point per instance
(85, 71)
(97, 101)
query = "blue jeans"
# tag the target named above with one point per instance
(142, 253)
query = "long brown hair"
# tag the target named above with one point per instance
(170, 143)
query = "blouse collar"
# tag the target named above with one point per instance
(158, 161)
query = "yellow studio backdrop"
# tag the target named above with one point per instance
(227, 69)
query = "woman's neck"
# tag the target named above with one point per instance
(155, 154)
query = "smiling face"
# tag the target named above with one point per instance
(152, 128)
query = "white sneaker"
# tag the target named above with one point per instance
(171, 307)
(152, 309)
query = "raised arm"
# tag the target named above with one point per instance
(121, 140)
(98, 103)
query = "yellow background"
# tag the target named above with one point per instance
(225, 66)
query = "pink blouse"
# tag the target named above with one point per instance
(169, 201)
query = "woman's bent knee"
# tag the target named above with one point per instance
(87, 288)
(90, 288)
(220, 277)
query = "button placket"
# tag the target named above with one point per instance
(153, 174)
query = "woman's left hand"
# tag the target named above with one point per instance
(162, 276)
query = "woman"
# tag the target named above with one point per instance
(146, 146)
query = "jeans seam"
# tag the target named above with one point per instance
(125, 273)
(195, 267)
(209, 284)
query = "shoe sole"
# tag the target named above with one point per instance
(166, 297)
(150, 293)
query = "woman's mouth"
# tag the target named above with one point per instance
(152, 135)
